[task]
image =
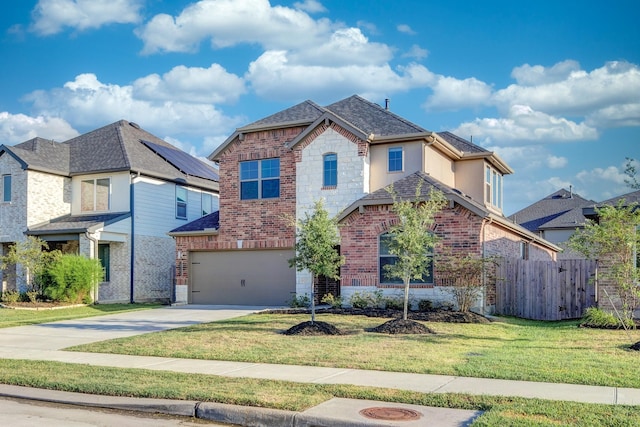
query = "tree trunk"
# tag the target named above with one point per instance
(313, 298)
(405, 314)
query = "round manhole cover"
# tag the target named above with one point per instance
(391, 414)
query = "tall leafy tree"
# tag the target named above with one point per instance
(614, 241)
(317, 238)
(413, 239)
(631, 172)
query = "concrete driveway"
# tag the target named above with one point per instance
(66, 333)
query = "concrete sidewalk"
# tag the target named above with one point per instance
(44, 342)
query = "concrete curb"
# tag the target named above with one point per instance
(246, 415)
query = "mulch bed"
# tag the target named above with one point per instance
(311, 329)
(401, 326)
(635, 346)
(38, 305)
(426, 316)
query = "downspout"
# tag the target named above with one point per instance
(95, 252)
(132, 254)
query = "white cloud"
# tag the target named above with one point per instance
(416, 52)
(555, 162)
(404, 28)
(16, 128)
(87, 102)
(310, 6)
(527, 75)
(523, 124)
(452, 94)
(191, 84)
(52, 16)
(272, 76)
(228, 22)
(575, 92)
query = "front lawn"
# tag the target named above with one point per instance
(13, 317)
(510, 349)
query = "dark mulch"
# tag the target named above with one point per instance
(315, 328)
(427, 316)
(401, 326)
(636, 346)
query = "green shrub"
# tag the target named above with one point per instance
(425, 305)
(597, 318)
(332, 300)
(71, 277)
(10, 296)
(300, 301)
(367, 299)
(32, 296)
(394, 303)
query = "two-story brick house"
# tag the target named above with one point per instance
(112, 193)
(346, 153)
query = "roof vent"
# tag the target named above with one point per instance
(135, 125)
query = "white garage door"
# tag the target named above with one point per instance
(242, 277)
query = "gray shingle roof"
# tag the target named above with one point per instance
(461, 143)
(305, 112)
(372, 118)
(562, 209)
(115, 147)
(207, 222)
(77, 223)
(629, 198)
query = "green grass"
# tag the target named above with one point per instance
(511, 349)
(499, 411)
(11, 317)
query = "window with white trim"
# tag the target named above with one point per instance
(95, 195)
(493, 187)
(207, 203)
(260, 179)
(395, 159)
(181, 202)
(6, 188)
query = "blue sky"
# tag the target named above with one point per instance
(552, 86)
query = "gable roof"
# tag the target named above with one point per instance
(405, 189)
(562, 209)
(116, 147)
(366, 120)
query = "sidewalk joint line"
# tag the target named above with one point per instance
(239, 369)
(436, 390)
(335, 374)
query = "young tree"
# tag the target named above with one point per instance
(31, 254)
(412, 238)
(317, 237)
(613, 242)
(631, 172)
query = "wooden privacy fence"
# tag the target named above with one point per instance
(545, 290)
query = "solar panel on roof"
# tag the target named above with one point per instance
(183, 161)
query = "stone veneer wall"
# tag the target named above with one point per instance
(49, 196)
(353, 178)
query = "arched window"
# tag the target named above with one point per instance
(330, 170)
(386, 258)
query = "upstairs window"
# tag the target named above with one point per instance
(387, 258)
(207, 204)
(6, 188)
(493, 187)
(95, 195)
(395, 158)
(260, 179)
(330, 170)
(181, 202)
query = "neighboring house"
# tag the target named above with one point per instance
(112, 194)
(555, 218)
(346, 153)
